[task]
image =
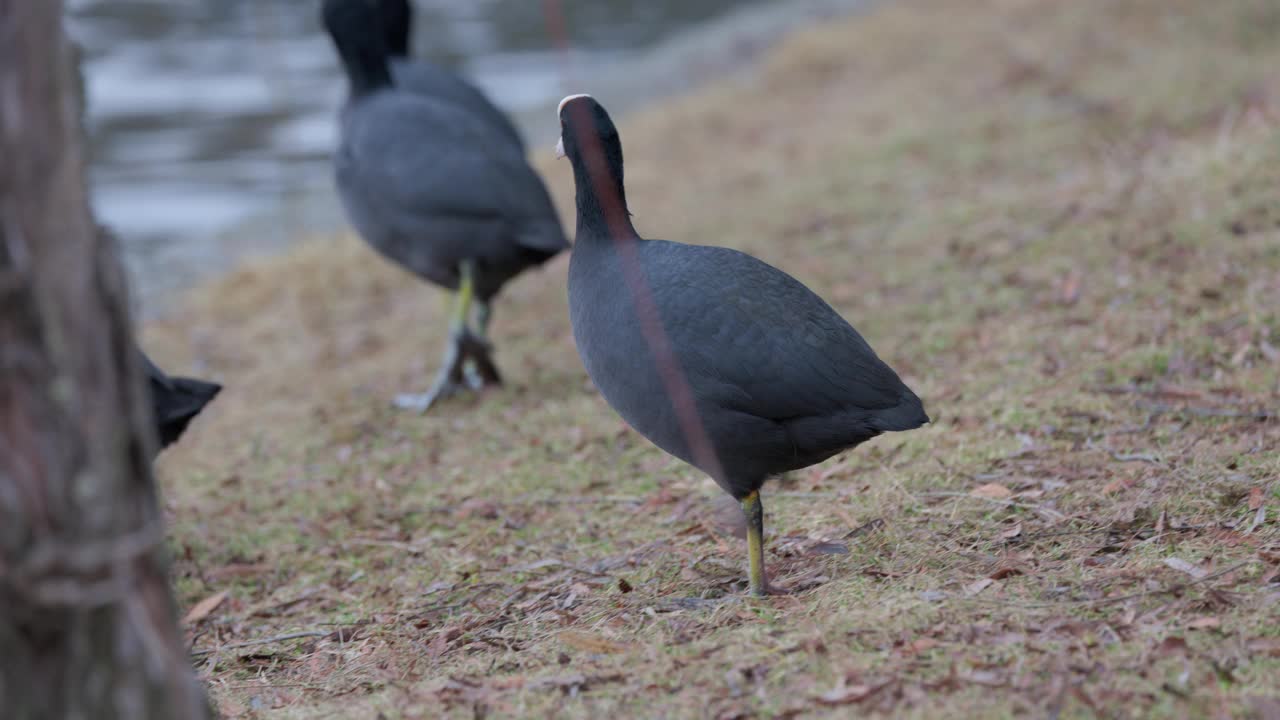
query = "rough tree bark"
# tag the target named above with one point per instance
(88, 627)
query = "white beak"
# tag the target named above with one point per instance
(560, 147)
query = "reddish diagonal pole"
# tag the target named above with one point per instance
(671, 373)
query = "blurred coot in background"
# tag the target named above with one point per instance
(212, 121)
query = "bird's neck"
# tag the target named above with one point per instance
(367, 69)
(602, 200)
(398, 43)
(397, 18)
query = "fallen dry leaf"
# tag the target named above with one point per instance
(844, 694)
(1255, 498)
(1005, 571)
(864, 528)
(201, 610)
(828, 548)
(1186, 567)
(1265, 646)
(537, 565)
(1240, 354)
(587, 642)
(984, 677)
(512, 682)
(1012, 532)
(1172, 645)
(977, 586)
(574, 682)
(991, 490)
(1259, 517)
(920, 645)
(476, 508)
(440, 644)
(1269, 351)
(1208, 622)
(1270, 577)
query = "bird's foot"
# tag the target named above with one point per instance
(480, 372)
(770, 590)
(474, 381)
(448, 382)
(482, 375)
(422, 402)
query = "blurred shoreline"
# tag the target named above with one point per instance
(164, 265)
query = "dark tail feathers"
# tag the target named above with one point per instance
(176, 402)
(908, 415)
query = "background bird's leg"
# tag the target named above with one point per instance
(480, 340)
(450, 378)
(482, 372)
(754, 511)
(484, 313)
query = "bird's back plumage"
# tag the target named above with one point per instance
(430, 80)
(424, 185)
(427, 179)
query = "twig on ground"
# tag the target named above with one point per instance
(1130, 429)
(1176, 393)
(1198, 411)
(1135, 457)
(265, 641)
(1171, 590)
(275, 685)
(1158, 391)
(1030, 536)
(864, 528)
(410, 548)
(1258, 518)
(571, 500)
(1047, 512)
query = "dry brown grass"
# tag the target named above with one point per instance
(1058, 220)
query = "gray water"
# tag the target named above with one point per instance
(211, 121)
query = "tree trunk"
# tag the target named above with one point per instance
(88, 626)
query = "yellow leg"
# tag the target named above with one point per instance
(449, 378)
(466, 294)
(754, 511)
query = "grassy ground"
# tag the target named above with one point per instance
(1058, 220)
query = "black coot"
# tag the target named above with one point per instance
(175, 401)
(448, 198)
(716, 357)
(429, 79)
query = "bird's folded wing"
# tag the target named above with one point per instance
(763, 343)
(418, 159)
